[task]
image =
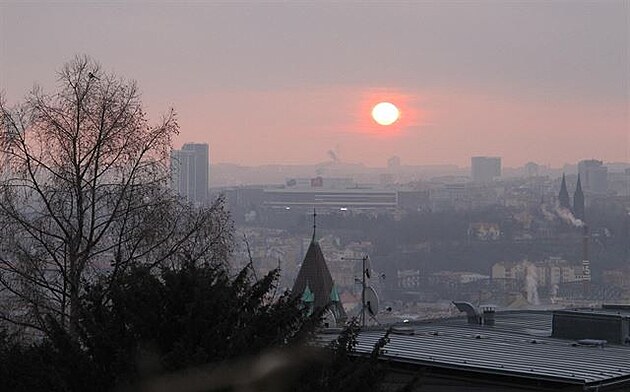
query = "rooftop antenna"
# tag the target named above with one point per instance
(369, 300)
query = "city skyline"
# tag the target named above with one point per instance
(542, 82)
(313, 195)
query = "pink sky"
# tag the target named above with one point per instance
(285, 82)
(301, 125)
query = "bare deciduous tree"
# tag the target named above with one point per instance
(83, 190)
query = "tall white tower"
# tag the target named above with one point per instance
(189, 172)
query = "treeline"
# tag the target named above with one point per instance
(187, 328)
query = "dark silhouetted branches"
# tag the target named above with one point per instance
(83, 192)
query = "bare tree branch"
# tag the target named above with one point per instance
(83, 192)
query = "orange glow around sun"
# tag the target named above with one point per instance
(387, 113)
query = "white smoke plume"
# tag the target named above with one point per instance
(554, 290)
(568, 217)
(546, 213)
(531, 283)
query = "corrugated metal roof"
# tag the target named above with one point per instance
(621, 312)
(536, 323)
(518, 345)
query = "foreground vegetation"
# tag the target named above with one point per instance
(190, 327)
(110, 281)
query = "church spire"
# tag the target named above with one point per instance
(314, 225)
(563, 197)
(314, 284)
(578, 200)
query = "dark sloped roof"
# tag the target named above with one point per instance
(314, 273)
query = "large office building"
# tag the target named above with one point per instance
(189, 172)
(485, 169)
(355, 199)
(594, 176)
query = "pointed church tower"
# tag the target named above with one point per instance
(578, 200)
(563, 197)
(314, 284)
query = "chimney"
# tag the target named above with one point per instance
(585, 242)
(487, 314)
(586, 265)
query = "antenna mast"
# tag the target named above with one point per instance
(365, 273)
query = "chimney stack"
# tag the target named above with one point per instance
(586, 264)
(488, 314)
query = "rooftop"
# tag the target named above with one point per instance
(519, 345)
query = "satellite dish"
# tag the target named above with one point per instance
(371, 301)
(329, 320)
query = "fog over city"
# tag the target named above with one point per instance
(285, 82)
(343, 196)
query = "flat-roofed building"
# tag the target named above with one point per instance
(505, 351)
(485, 169)
(594, 176)
(320, 198)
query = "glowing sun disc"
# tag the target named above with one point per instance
(385, 113)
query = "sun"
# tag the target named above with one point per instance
(385, 113)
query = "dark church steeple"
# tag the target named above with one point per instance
(563, 197)
(314, 226)
(578, 200)
(314, 284)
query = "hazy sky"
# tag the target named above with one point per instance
(285, 82)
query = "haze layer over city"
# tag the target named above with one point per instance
(315, 196)
(284, 83)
